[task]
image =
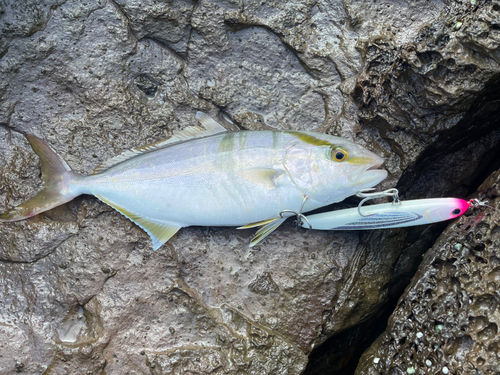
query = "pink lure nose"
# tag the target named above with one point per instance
(461, 206)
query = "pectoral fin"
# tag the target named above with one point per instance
(267, 227)
(159, 231)
(266, 177)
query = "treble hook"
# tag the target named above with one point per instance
(300, 217)
(394, 193)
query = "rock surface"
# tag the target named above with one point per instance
(447, 320)
(81, 289)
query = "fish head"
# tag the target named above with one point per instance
(328, 169)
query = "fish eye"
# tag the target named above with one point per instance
(339, 154)
(456, 211)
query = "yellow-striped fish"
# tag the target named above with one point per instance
(212, 177)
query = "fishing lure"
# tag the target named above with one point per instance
(388, 215)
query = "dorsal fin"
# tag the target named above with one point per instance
(211, 127)
(209, 123)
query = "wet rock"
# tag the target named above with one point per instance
(415, 91)
(167, 21)
(21, 20)
(447, 319)
(263, 284)
(81, 288)
(490, 187)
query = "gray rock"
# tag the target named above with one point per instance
(447, 319)
(81, 288)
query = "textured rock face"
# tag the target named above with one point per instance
(447, 320)
(81, 289)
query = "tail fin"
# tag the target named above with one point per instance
(57, 179)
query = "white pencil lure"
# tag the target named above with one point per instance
(389, 215)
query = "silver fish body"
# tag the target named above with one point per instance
(217, 178)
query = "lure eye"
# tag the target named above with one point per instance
(339, 154)
(456, 211)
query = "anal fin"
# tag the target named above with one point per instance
(159, 231)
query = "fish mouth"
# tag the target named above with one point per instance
(371, 175)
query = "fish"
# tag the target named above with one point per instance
(389, 215)
(209, 176)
